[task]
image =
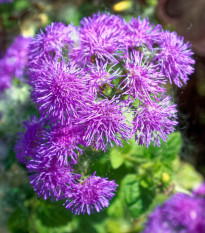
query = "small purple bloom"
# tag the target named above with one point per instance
(143, 78)
(49, 179)
(51, 42)
(105, 123)
(28, 141)
(60, 91)
(174, 57)
(100, 36)
(93, 193)
(140, 32)
(154, 121)
(180, 214)
(61, 141)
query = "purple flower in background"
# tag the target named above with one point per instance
(143, 78)
(100, 36)
(28, 141)
(59, 91)
(5, 1)
(105, 123)
(52, 41)
(175, 58)
(5, 77)
(154, 121)
(180, 214)
(61, 141)
(140, 32)
(49, 179)
(16, 57)
(93, 193)
(200, 191)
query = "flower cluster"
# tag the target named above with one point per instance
(14, 62)
(97, 85)
(180, 214)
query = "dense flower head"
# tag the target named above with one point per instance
(62, 142)
(105, 124)
(154, 121)
(49, 179)
(143, 78)
(60, 91)
(93, 193)
(180, 214)
(175, 58)
(100, 36)
(140, 32)
(28, 141)
(52, 41)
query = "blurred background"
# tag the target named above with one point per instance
(20, 210)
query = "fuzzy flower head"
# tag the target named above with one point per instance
(100, 36)
(105, 123)
(59, 91)
(140, 32)
(48, 178)
(28, 141)
(180, 214)
(93, 193)
(143, 78)
(175, 58)
(16, 57)
(62, 142)
(55, 37)
(154, 121)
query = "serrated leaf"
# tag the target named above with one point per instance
(137, 193)
(116, 158)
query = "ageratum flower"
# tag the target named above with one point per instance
(105, 123)
(93, 193)
(60, 91)
(16, 56)
(143, 78)
(56, 36)
(175, 58)
(28, 141)
(140, 32)
(100, 36)
(48, 178)
(62, 142)
(99, 74)
(154, 121)
(180, 214)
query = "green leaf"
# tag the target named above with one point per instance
(137, 193)
(18, 221)
(116, 208)
(116, 158)
(53, 214)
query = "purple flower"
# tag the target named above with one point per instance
(56, 36)
(180, 214)
(61, 141)
(140, 32)
(100, 36)
(93, 193)
(5, 77)
(174, 58)
(49, 179)
(143, 78)
(16, 56)
(28, 141)
(105, 123)
(200, 191)
(100, 75)
(5, 1)
(154, 121)
(60, 91)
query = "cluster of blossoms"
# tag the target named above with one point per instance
(14, 62)
(182, 213)
(96, 85)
